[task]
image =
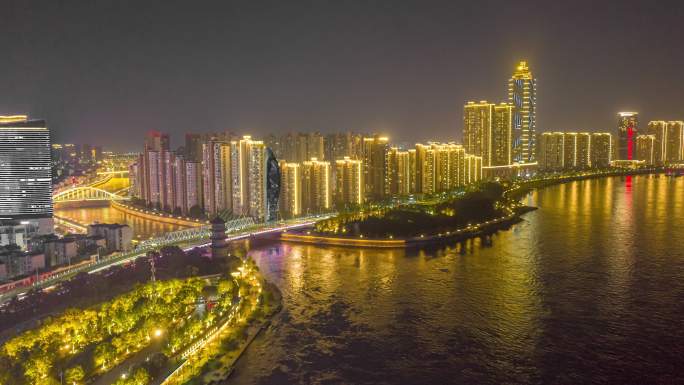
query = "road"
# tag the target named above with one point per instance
(117, 259)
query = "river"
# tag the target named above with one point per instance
(142, 228)
(587, 289)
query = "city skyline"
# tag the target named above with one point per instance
(357, 87)
(258, 193)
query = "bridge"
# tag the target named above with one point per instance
(86, 193)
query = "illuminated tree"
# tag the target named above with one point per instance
(74, 376)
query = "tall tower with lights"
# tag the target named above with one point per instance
(627, 133)
(522, 94)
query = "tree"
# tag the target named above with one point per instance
(196, 212)
(74, 376)
(104, 354)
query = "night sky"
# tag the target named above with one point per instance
(104, 72)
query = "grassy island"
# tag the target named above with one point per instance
(479, 203)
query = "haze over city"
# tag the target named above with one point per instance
(111, 70)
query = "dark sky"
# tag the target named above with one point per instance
(104, 72)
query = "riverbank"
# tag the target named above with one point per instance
(158, 217)
(521, 188)
(214, 360)
(515, 192)
(475, 230)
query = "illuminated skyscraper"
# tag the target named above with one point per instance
(255, 177)
(375, 163)
(316, 189)
(272, 186)
(442, 166)
(573, 150)
(675, 141)
(502, 135)
(551, 151)
(522, 94)
(349, 182)
(582, 150)
(473, 168)
(193, 185)
(413, 177)
(658, 129)
(645, 149)
(669, 140)
(488, 132)
(569, 150)
(152, 177)
(601, 149)
(25, 172)
(398, 172)
(217, 177)
(477, 129)
(627, 133)
(291, 191)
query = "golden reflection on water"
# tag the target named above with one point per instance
(578, 280)
(142, 228)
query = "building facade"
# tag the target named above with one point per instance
(26, 172)
(522, 95)
(375, 151)
(627, 131)
(349, 182)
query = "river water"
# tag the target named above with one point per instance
(142, 228)
(587, 289)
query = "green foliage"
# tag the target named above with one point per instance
(106, 335)
(138, 377)
(446, 213)
(74, 376)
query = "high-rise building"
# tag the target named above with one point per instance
(399, 172)
(255, 179)
(558, 151)
(349, 181)
(627, 133)
(601, 149)
(193, 185)
(272, 186)
(25, 172)
(551, 151)
(473, 168)
(152, 175)
(583, 150)
(256, 175)
(339, 145)
(502, 135)
(442, 166)
(658, 129)
(522, 94)
(298, 147)
(316, 189)
(645, 149)
(291, 190)
(413, 177)
(217, 177)
(375, 151)
(675, 141)
(193, 147)
(569, 150)
(477, 129)
(488, 132)
(668, 140)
